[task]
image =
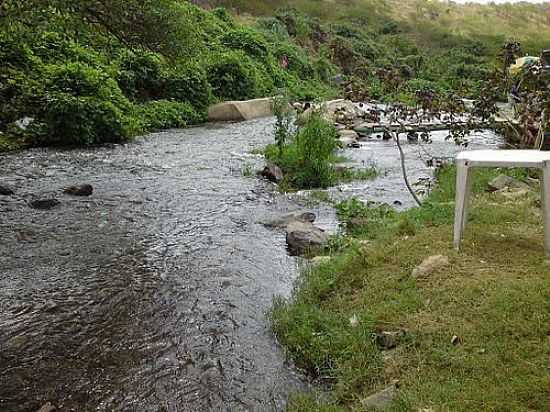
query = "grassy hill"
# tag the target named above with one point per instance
(526, 22)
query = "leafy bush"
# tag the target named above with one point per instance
(247, 40)
(298, 62)
(187, 84)
(222, 14)
(164, 114)
(77, 120)
(80, 79)
(306, 159)
(233, 76)
(82, 105)
(140, 75)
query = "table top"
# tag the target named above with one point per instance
(505, 158)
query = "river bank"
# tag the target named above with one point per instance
(396, 320)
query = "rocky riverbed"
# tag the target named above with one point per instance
(150, 293)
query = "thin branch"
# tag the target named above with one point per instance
(404, 170)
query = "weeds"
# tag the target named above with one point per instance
(494, 296)
(306, 156)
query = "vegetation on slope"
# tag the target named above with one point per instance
(95, 72)
(475, 332)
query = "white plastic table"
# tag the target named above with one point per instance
(499, 158)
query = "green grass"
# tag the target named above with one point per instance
(495, 296)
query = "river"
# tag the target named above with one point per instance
(152, 294)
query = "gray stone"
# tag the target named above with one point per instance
(348, 134)
(272, 173)
(47, 407)
(430, 265)
(503, 181)
(282, 222)
(5, 191)
(79, 190)
(389, 339)
(302, 237)
(44, 204)
(382, 400)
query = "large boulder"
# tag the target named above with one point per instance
(348, 137)
(236, 111)
(335, 111)
(302, 237)
(506, 182)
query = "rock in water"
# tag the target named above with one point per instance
(382, 400)
(503, 181)
(283, 221)
(302, 237)
(272, 173)
(347, 137)
(5, 191)
(48, 407)
(79, 190)
(44, 204)
(430, 265)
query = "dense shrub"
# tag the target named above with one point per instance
(222, 14)
(76, 120)
(140, 74)
(164, 114)
(298, 62)
(247, 40)
(187, 84)
(82, 105)
(306, 158)
(233, 76)
(79, 79)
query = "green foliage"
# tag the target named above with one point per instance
(366, 287)
(247, 40)
(165, 114)
(140, 74)
(234, 76)
(187, 83)
(82, 120)
(198, 57)
(306, 159)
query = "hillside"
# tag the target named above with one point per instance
(107, 64)
(526, 22)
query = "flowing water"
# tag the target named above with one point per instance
(151, 295)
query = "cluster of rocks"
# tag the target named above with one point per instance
(348, 117)
(50, 202)
(302, 236)
(512, 189)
